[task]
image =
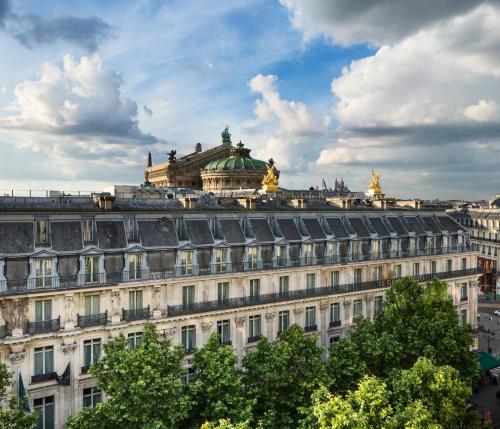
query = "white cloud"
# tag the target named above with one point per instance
(484, 111)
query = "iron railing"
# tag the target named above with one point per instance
(99, 279)
(245, 301)
(43, 326)
(92, 320)
(254, 339)
(44, 377)
(136, 314)
(311, 328)
(335, 323)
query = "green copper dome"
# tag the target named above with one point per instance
(239, 160)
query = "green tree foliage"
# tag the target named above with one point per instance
(423, 397)
(281, 377)
(143, 386)
(217, 391)
(13, 415)
(224, 424)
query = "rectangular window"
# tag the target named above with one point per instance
(378, 304)
(223, 293)
(46, 412)
(188, 296)
(357, 308)
(412, 246)
(134, 339)
(331, 251)
(188, 334)
(252, 257)
(42, 231)
(221, 260)
(356, 250)
(335, 314)
(188, 376)
(463, 317)
(91, 353)
(223, 329)
(91, 396)
(283, 321)
(43, 310)
(433, 267)
(377, 249)
(281, 256)
(463, 292)
(92, 305)
(378, 274)
(416, 269)
(464, 263)
(449, 265)
(91, 265)
(397, 271)
(135, 300)
(130, 229)
(335, 278)
(44, 360)
(308, 253)
(254, 331)
(186, 262)
(357, 275)
(43, 272)
(284, 285)
(310, 318)
(254, 289)
(88, 229)
(310, 281)
(135, 266)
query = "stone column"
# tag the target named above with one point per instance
(347, 313)
(240, 337)
(270, 325)
(323, 323)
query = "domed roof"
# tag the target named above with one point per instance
(239, 160)
(495, 202)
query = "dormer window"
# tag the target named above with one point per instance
(88, 230)
(130, 229)
(377, 249)
(252, 257)
(308, 253)
(221, 260)
(91, 269)
(43, 273)
(135, 266)
(42, 230)
(356, 250)
(186, 262)
(281, 256)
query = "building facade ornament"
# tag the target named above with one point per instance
(347, 304)
(68, 348)
(17, 357)
(115, 303)
(298, 311)
(69, 309)
(323, 306)
(170, 332)
(206, 326)
(156, 298)
(270, 316)
(239, 321)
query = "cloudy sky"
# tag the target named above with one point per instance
(328, 88)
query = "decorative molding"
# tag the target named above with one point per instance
(206, 326)
(17, 357)
(156, 298)
(298, 311)
(68, 348)
(270, 316)
(347, 304)
(474, 283)
(115, 303)
(323, 306)
(170, 332)
(239, 321)
(69, 307)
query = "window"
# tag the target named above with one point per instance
(310, 318)
(254, 289)
(356, 249)
(135, 266)
(378, 304)
(335, 278)
(412, 247)
(91, 264)
(283, 285)
(91, 353)
(223, 292)
(188, 376)
(134, 339)
(397, 271)
(308, 253)
(43, 272)
(281, 256)
(463, 292)
(42, 231)
(377, 249)
(252, 257)
(46, 414)
(310, 281)
(378, 274)
(357, 308)
(334, 339)
(44, 360)
(449, 265)
(88, 229)
(335, 314)
(283, 321)
(416, 269)
(130, 229)
(463, 317)
(186, 262)
(221, 260)
(91, 396)
(187, 296)
(188, 334)
(331, 250)
(395, 247)
(464, 263)
(433, 267)
(135, 299)
(254, 332)
(357, 276)
(92, 305)
(43, 310)
(223, 329)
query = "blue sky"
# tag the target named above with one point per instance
(327, 88)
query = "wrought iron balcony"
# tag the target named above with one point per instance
(311, 328)
(464, 298)
(85, 369)
(136, 314)
(44, 377)
(189, 351)
(92, 320)
(335, 323)
(226, 343)
(254, 339)
(42, 326)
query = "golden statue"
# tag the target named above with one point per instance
(375, 184)
(270, 181)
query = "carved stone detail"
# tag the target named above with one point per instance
(323, 306)
(115, 303)
(298, 311)
(206, 326)
(156, 298)
(170, 332)
(68, 348)
(17, 358)
(347, 304)
(69, 309)
(474, 283)
(270, 316)
(239, 321)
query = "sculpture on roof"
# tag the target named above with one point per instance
(375, 189)
(270, 181)
(226, 135)
(171, 156)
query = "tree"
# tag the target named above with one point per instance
(281, 377)
(13, 415)
(417, 321)
(217, 391)
(224, 424)
(143, 386)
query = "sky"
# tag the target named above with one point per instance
(328, 88)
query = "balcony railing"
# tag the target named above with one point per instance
(92, 320)
(311, 328)
(44, 377)
(43, 326)
(98, 279)
(245, 301)
(335, 323)
(136, 314)
(254, 339)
